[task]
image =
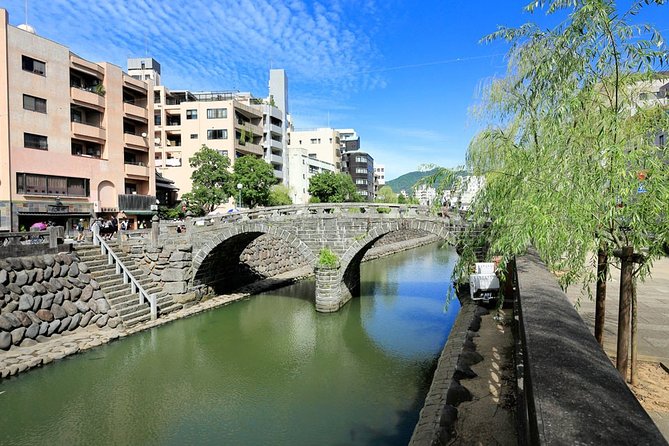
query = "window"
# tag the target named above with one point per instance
(360, 170)
(217, 134)
(27, 183)
(191, 114)
(217, 113)
(360, 181)
(313, 140)
(223, 152)
(360, 159)
(193, 136)
(35, 141)
(34, 104)
(33, 65)
(156, 118)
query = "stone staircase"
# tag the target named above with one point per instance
(119, 294)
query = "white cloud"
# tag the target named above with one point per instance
(218, 44)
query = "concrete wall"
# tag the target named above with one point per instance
(572, 392)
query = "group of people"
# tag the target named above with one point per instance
(106, 228)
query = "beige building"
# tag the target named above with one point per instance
(234, 124)
(75, 136)
(226, 122)
(323, 144)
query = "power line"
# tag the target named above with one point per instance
(439, 62)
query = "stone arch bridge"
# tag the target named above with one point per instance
(347, 229)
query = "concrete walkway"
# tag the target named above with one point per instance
(653, 319)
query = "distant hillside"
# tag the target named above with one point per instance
(407, 181)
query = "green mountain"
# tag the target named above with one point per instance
(408, 180)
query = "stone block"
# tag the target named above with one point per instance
(23, 318)
(17, 335)
(53, 327)
(21, 278)
(175, 287)
(174, 275)
(45, 315)
(103, 306)
(70, 308)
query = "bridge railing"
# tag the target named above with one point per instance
(366, 210)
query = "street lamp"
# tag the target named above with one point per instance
(239, 203)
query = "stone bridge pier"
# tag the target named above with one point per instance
(348, 230)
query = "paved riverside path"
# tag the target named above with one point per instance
(653, 319)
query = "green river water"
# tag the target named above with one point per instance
(268, 370)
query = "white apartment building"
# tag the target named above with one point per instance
(323, 144)
(425, 194)
(301, 167)
(464, 192)
(379, 177)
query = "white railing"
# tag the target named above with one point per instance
(112, 258)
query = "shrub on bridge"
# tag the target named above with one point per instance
(327, 258)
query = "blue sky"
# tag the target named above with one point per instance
(404, 74)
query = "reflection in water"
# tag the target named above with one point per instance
(268, 370)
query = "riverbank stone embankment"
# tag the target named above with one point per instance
(46, 295)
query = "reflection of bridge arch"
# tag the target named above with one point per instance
(216, 264)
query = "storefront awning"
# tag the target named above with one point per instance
(131, 212)
(54, 215)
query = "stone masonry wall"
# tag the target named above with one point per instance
(266, 256)
(47, 294)
(269, 256)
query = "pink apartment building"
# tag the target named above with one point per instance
(76, 137)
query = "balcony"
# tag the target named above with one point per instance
(89, 132)
(275, 129)
(136, 141)
(250, 128)
(87, 97)
(275, 144)
(137, 170)
(276, 159)
(135, 202)
(135, 111)
(248, 148)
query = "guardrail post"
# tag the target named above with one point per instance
(155, 229)
(154, 307)
(53, 237)
(96, 234)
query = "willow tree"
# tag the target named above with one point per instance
(567, 140)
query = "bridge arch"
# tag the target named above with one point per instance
(358, 248)
(216, 263)
(349, 272)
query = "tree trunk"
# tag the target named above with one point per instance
(626, 269)
(600, 299)
(633, 368)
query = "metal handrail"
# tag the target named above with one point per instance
(136, 287)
